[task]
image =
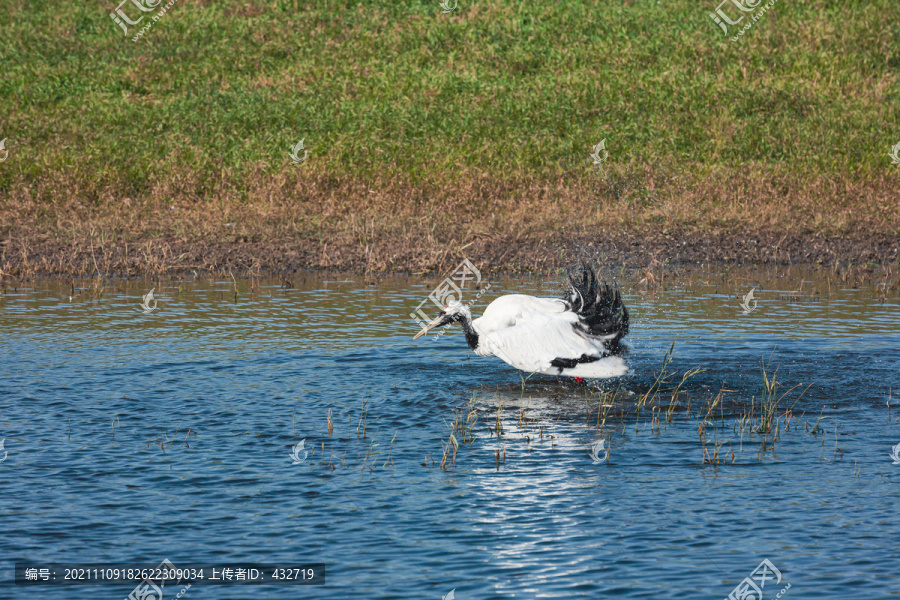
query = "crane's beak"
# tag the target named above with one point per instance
(429, 327)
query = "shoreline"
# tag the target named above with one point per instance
(23, 257)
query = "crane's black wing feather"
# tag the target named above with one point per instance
(599, 307)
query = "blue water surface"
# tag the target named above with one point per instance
(133, 438)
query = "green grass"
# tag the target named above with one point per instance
(429, 133)
(508, 88)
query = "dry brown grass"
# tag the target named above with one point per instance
(296, 219)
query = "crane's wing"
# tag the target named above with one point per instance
(600, 310)
(505, 311)
(552, 344)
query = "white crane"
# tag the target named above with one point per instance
(577, 335)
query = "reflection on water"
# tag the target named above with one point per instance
(134, 436)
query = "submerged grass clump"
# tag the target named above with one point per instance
(770, 400)
(763, 418)
(723, 422)
(464, 422)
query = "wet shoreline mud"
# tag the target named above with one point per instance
(28, 256)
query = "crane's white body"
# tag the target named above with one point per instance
(577, 335)
(530, 333)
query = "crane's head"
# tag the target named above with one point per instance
(454, 312)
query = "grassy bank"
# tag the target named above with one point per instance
(428, 131)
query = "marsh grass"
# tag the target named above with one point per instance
(714, 458)
(770, 399)
(528, 428)
(498, 422)
(363, 419)
(465, 419)
(370, 452)
(815, 428)
(464, 422)
(653, 396)
(452, 445)
(390, 458)
(670, 397)
(724, 423)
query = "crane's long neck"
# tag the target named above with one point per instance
(470, 331)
